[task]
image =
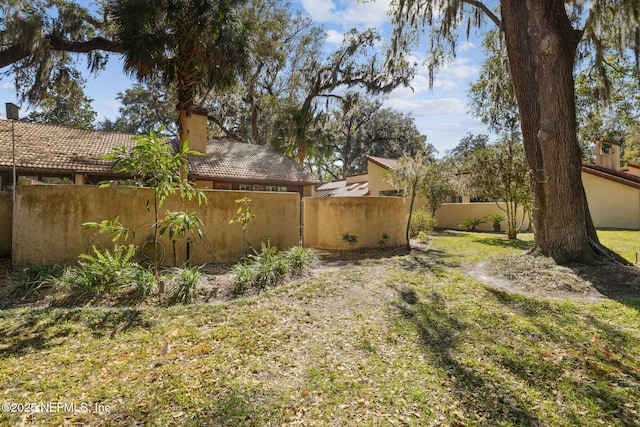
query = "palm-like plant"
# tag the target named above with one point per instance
(197, 45)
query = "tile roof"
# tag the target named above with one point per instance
(246, 162)
(620, 177)
(57, 148)
(62, 149)
(342, 189)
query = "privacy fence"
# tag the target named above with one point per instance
(354, 222)
(6, 218)
(45, 226)
(450, 215)
(47, 223)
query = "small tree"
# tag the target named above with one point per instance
(410, 175)
(152, 163)
(499, 173)
(244, 216)
(437, 184)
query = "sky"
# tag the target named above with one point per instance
(440, 113)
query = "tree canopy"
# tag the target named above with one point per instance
(543, 39)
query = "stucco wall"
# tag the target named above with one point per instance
(48, 222)
(367, 218)
(450, 215)
(612, 204)
(377, 176)
(6, 215)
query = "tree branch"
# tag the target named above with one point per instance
(479, 5)
(19, 51)
(231, 135)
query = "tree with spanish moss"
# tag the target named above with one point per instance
(542, 40)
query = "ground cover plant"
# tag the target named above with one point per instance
(370, 338)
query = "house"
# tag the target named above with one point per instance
(613, 194)
(372, 183)
(54, 154)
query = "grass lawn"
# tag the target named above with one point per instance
(394, 341)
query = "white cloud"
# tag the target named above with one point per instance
(334, 37)
(427, 107)
(454, 76)
(466, 46)
(7, 86)
(372, 14)
(460, 68)
(348, 13)
(320, 10)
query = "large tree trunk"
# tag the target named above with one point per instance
(514, 20)
(541, 44)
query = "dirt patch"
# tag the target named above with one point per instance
(538, 277)
(541, 277)
(215, 286)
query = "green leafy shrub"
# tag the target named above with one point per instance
(142, 280)
(421, 220)
(351, 239)
(107, 271)
(299, 258)
(269, 267)
(422, 237)
(34, 277)
(384, 240)
(496, 219)
(471, 224)
(243, 278)
(183, 282)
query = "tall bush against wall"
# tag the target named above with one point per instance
(414, 176)
(244, 216)
(153, 163)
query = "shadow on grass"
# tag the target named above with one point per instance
(615, 281)
(593, 371)
(503, 242)
(230, 407)
(347, 257)
(442, 333)
(521, 361)
(40, 329)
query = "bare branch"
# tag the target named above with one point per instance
(231, 135)
(483, 7)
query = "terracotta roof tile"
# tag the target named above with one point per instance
(59, 148)
(621, 177)
(63, 149)
(238, 161)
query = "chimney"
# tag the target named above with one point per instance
(608, 154)
(197, 129)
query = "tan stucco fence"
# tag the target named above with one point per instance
(47, 226)
(326, 221)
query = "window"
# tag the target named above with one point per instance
(222, 186)
(396, 193)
